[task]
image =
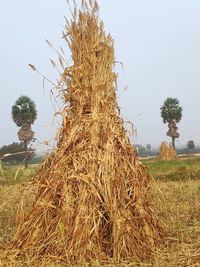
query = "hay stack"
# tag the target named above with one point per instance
(172, 153)
(93, 199)
(164, 151)
(167, 152)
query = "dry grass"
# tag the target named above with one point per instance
(178, 207)
(180, 211)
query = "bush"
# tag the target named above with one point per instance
(14, 158)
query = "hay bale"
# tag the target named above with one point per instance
(93, 199)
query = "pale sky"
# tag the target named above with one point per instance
(157, 41)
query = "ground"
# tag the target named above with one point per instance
(176, 194)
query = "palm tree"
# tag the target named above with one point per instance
(24, 114)
(171, 113)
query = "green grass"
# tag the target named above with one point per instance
(176, 170)
(15, 174)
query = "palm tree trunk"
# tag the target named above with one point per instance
(26, 155)
(173, 142)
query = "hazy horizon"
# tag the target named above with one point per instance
(158, 43)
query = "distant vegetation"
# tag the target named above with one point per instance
(14, 154)
(24, 115)
(144, 152)
(191, 146)
(171, 113)
(18, 158)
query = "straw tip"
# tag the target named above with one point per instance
(32, 67)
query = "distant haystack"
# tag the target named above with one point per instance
(172, 153)
(167, 152)
(93, 200)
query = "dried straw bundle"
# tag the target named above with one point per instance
(93, 199)
(164, 151)
(172, 153)
(167, 152)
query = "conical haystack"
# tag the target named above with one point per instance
(93, 200)
(172, 153)
(164, 151)
(167, 152)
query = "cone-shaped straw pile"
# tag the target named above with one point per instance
(93, 199)
(164, 151)
(172, 153)
(167, 152)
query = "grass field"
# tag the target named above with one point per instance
(184, 169)
(176, 194)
